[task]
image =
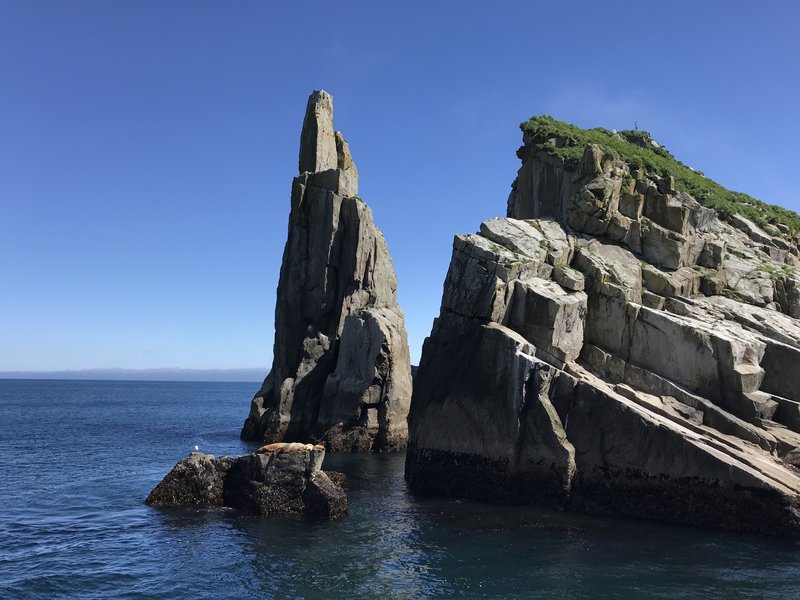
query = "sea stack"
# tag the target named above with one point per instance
(617, 347)
(341, 373)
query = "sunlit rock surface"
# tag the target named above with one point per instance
(341, 373)
(611, 346)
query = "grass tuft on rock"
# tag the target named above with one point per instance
(639, 150)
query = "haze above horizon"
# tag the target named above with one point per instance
(160, 374)
(147, 149)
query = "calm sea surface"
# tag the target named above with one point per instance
(79, 457)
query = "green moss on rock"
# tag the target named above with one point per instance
(639, 150)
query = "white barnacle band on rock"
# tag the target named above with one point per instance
(341, 372)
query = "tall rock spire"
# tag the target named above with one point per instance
(318, 141)
(341, 372)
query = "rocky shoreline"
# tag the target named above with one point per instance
(611, 346)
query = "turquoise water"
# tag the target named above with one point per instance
(79, 458)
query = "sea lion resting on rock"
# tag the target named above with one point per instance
(276, 479)
(289, 447)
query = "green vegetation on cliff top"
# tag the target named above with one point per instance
(638, 150)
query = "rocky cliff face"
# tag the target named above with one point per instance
(341, 372)
(612, 346)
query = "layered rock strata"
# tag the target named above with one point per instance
(276, 479)
(341, 373)
(613, 347)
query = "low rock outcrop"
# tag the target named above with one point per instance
(612, 346)
(341, 372)
(278, 478)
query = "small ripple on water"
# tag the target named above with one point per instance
(76, 526)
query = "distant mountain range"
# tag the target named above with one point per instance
(165, 374)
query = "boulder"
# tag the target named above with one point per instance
(195, 482)
(341, 372)
(276, 479)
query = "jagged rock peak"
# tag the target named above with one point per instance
(324, 150)
(341, 372)
(318, 141)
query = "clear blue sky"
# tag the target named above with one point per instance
(147, 147)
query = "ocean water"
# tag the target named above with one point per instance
(79, 457)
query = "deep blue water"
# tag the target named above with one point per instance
(79, 457)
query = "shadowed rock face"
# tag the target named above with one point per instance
(584, 357)
(341, 372)
(276, 479)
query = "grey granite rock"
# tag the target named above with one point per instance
(578, 361)
(318, 150)
(195, 482)
(341, 372)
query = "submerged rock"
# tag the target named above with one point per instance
(584, 358)
(276, 479)
(341, 372)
